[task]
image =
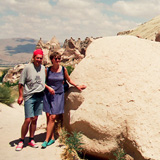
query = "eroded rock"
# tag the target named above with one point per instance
(120, 106)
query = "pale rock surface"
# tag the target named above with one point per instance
(121, 105)
(147, 30)
(11, 119)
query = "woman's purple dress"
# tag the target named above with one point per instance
(54, 104)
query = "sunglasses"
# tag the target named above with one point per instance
(57, 59)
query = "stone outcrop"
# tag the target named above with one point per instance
(72, 51)
(13, 74)
(51, 45)
(157, 39)
(124, 32)
(81, 46)
(146, 30)
(120, 108)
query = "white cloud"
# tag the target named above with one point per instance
(28, 7)
(70, 18)
(143, 8)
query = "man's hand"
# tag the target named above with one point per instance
(20, 100)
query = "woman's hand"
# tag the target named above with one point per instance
(51, 90)
(81, 87)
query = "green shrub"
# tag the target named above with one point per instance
(119, 154)
(70, 69)
(8, 84)
(63, 136)
(74, 142)
(73, 149)
(3, 74)
(5, 95)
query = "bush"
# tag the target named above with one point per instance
(63, 136)
(3, 74)
(5, 95)
(8, 84)
(69, 69)
(119, 154)
(73, 144)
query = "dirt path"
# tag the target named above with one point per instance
(10, 126)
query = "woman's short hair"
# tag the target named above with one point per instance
(54, 54)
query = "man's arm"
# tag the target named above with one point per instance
(20, 98)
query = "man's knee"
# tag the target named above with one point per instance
(27, 120)
(34, 119)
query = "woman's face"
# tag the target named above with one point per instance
(56, 59)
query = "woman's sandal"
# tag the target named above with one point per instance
(51, 142)
(44, 144)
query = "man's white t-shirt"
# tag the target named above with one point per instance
(33, 80)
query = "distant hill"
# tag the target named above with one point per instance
(146, 30)
(16, 50)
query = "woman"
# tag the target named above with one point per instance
(53, 102)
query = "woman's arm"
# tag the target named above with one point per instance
(67, 77)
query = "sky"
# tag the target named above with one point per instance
(73, 18)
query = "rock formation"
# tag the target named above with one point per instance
(13, 74)
(72, 51)
(81, 46)
(147, 30)
(120, 108)
(157, 39)
(51, 45)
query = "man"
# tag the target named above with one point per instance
(31, 86)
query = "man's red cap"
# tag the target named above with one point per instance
(38, 51)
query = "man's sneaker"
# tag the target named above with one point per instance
(33, 144)
(19, 146)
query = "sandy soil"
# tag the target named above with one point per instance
(10, 126)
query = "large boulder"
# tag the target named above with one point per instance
(120, 108)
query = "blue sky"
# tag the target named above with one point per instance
(73, 18)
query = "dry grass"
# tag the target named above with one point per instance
(14, 92)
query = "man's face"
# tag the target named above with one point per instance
(38, 59)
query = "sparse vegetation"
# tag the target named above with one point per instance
(119, 154)
(73, 144)
(70, 69)
(3, 74)
(5, 95)
(63, 136)
(8, 92)
(11, 84)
